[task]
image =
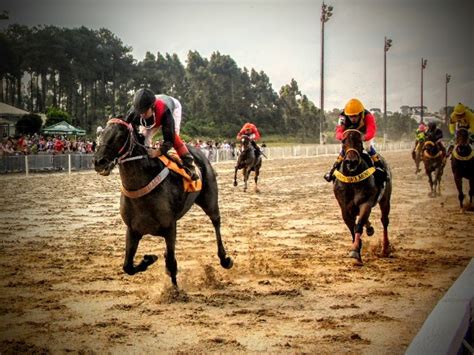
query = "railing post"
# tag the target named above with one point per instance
(69, 163)
(26, 165)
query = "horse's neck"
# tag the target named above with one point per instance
(138, 173)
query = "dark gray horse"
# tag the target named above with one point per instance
(153, 197)
(248, 161)
(462, 165)
(358, 190)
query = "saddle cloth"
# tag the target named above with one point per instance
(189, 185)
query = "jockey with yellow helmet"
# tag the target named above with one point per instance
(461, 117)
(355, 116)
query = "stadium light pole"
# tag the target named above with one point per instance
(326, 13)
(387, 45)
(423, 67)
(448, 78)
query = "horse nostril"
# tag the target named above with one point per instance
(98, 161)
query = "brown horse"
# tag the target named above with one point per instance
(462, 164)
(434, 161)
(358, 189)
(153, 197)
(248, 161)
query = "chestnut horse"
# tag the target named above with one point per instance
(357, 189)
(462, 164)
(153, 197)
(248, 161)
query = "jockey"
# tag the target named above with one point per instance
(355, 116)
(165, 111)
(461, 117)
(420, 136)
(435, 135)
(250, 130)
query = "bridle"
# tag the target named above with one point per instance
(348, 150)
(131, 141)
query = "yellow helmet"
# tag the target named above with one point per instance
(353, 107)
(459, 109)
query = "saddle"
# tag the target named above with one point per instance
(174, 163)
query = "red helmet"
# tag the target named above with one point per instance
(422, 127)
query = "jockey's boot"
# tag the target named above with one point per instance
(188, 165)
(329, 176)
(257, 149)
(381, 175)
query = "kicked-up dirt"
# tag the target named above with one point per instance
(292, 289)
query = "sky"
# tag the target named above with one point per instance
(283, 39)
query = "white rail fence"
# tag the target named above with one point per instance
(75, 162)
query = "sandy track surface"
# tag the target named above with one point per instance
(291, 289)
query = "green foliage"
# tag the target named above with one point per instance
(86, 75)
(56, 115)
(29, 124)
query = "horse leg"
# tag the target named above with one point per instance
(471, 191)
(209, 205)
(235, 175)
(257, 172)
(369, 229)
(170, 257)
(458, 182)
(385, 211)
(364, 214)
(246, 174)
(430, 179)
(131, 246)
(349, 219)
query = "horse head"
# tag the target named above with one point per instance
(462, 136)
(245, 143)
(116, 143)
(431, 149)
(463, 148)
(352, 146)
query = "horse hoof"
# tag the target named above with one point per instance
(355, 255)
(149, 259)
(235, 183)
(370, 231)
(227, 262)
(129, 270)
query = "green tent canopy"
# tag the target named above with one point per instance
(63, 128)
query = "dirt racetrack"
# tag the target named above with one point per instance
(291, 290)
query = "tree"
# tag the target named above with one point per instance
(29, 124)
(56, 115)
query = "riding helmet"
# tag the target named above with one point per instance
(353, 107)
(460, 109)
(143, 100)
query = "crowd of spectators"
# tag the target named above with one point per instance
(40, 144)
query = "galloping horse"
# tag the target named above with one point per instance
(248, 161)
(153, 197)
(358, 190)
(462, 164)
(434, 161)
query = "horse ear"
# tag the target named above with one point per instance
(131, 116)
